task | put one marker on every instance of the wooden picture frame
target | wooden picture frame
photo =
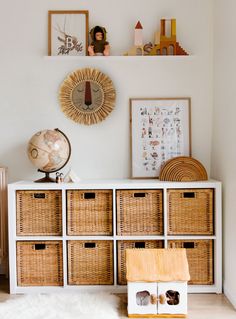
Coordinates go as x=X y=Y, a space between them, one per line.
x=68 y=33
x=160 y=129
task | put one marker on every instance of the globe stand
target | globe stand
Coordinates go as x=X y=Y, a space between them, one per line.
x=46 y=179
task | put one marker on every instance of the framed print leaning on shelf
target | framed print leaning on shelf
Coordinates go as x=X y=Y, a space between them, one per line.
x=67 y=32
x=160 y=130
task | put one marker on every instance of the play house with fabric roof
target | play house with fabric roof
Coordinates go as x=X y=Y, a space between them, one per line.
x=157 y=282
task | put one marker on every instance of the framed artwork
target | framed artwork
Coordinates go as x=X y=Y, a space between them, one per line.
x=67 y=32
x=160 y=130
x=87 y=96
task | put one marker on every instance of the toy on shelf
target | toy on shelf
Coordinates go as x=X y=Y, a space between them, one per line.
x=183 y=169
x=157 y=282
x=71 y=177
x=99 y=45
x=137 y=49
x=165 y=42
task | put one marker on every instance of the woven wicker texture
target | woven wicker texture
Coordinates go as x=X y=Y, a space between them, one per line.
x=122 y=245
x=39 y=212
x=190 y=211
x=139 y=212
x=39 y=263
x=200 y=259
x=89 y=212
x=104 y=99
x=90 y=262
x=183 y=169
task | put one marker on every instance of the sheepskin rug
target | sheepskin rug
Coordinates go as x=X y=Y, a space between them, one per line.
x=61 y=306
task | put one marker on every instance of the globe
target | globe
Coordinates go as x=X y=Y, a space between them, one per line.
x=49 y=151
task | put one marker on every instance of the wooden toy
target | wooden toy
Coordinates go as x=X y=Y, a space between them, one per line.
x=157 y=283
x=137 y=49
x=165 y=42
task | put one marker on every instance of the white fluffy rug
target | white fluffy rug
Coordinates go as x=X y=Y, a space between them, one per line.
x=61 y=306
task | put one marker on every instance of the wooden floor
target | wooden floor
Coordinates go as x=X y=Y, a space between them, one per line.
x=200 y=306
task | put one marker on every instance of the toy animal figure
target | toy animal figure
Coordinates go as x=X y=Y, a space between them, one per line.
x=147 y=48
x=99 y=45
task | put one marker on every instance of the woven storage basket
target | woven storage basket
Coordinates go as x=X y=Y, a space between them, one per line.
x=200 y=259
x=122 y=245
x=39 y=263
x=139 y=212
x=38 y=212
x=190 y=211
x=89 y=212
x=90 y=262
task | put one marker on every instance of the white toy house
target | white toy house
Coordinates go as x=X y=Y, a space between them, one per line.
x=157 y=282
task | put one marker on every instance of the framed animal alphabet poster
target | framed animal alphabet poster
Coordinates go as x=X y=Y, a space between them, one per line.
x=160 y=130
x=67 y=33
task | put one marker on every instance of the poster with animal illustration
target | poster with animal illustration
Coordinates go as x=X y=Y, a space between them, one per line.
x=160 y=130
x=67 y=33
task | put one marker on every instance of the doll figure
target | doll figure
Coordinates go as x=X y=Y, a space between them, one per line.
x=99 y=45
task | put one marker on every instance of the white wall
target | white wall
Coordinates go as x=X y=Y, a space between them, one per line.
x=224 y=133
x=29 y=82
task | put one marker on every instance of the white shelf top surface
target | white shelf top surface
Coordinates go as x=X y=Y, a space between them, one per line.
x=114 y=183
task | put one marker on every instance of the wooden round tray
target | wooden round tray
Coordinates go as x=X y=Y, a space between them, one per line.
x=183 y=169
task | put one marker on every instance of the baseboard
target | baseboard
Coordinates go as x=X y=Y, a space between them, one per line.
x=230 y=296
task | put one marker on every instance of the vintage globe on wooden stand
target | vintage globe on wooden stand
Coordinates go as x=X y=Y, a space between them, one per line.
x=49 y=151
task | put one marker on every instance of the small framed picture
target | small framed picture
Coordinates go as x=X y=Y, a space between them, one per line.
x=68 y=33
x=160 y=130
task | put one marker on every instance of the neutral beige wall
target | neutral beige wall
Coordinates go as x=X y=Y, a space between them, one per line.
x=224 y=132
x=29 y=82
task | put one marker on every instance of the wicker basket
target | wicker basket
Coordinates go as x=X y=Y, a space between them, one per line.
x=122 y=245
x=190 y=212
x=38 y=212
x=139 y=212
x=89 y=212
x=200 y=259
x=39 y=263
x=90 y=262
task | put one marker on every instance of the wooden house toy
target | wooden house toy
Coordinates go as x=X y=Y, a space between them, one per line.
x=137 y=49
x=165 y=43
x=157 y=283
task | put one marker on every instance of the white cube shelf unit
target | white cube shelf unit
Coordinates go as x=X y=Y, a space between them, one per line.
x=74 y=235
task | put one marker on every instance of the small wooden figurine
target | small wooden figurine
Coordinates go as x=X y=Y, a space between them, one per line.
x=157 y=282
x=164 y=43
x=137 y=49
x=99 y=45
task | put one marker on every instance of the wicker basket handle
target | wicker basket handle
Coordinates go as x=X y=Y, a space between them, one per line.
x=189 y=195
x=39 y=246
x=190 y=244
x=89 y=195
x=139 y=195
x=39 y=195
x=89 y=245
x=139 y=244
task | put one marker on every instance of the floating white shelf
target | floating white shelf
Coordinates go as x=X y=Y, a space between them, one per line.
x=121 y=57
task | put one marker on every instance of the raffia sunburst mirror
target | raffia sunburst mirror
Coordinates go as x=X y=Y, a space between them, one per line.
x=87 y=96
